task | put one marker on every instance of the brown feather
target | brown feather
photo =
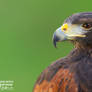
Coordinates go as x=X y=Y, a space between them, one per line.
x=55 y=85
x=62 y=80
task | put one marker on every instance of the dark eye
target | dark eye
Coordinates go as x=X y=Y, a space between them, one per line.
x=87 y=26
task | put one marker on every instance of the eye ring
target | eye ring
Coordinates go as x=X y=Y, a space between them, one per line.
x=87 y=26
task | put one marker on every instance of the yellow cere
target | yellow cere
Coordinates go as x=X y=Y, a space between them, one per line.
x=64 y=27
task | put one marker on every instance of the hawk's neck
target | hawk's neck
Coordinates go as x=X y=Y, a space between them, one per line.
x=81 y=53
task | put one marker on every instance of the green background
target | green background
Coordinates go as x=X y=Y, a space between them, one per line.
x=26 y=29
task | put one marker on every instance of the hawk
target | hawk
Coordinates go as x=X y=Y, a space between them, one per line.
x=72 y=73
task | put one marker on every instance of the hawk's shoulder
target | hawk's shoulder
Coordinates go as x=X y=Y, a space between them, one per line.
x=57 y=78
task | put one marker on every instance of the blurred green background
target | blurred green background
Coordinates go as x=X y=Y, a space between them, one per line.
x=26 y=29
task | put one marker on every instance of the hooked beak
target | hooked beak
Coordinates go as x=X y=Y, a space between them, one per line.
x=67 y=33
x=58 y=36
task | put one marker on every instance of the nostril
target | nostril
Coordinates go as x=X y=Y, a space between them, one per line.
x=64 y=29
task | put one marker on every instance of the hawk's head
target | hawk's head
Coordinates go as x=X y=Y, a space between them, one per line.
x=76 y=28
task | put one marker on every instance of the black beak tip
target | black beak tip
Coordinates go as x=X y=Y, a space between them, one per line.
x=55 y=40
x=54 y=43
